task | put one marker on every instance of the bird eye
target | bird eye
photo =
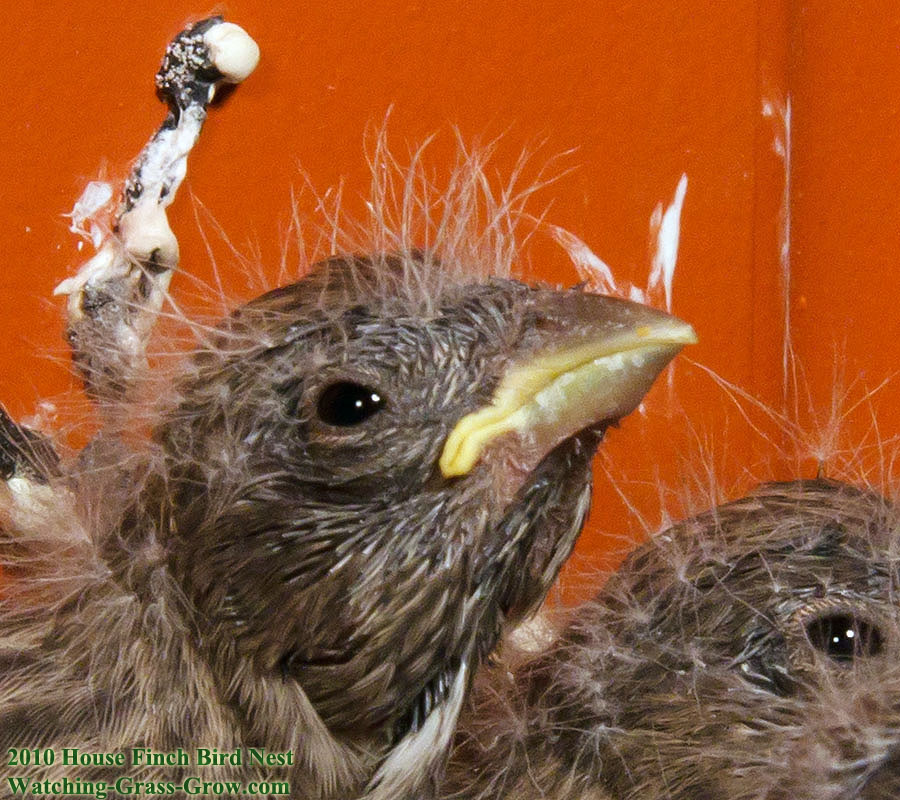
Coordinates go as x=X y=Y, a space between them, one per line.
x=345 y=403
x=843 y=637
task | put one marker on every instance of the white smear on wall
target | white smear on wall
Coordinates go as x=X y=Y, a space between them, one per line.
x=637 y=295
x=667 y=227
x=665 y=234
x=592 y=269
x=665 y=230
x=780 y=112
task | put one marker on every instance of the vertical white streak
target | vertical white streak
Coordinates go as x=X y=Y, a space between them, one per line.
x=665 y=234
x=667 y=227
x=781 y=113
x=668 y=233
x=786 y=242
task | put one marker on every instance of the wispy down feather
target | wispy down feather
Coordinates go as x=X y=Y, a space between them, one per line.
x=282 y=549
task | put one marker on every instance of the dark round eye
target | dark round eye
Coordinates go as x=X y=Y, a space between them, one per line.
x=345 y=403
x=843 y=637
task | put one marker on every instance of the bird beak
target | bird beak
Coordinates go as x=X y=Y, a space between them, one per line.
x=591 y=362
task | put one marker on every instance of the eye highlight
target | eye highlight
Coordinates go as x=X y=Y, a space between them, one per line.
x=345 y=403
x=844 y=638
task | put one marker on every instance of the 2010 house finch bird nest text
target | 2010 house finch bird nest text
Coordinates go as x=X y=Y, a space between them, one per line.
x=349 y=488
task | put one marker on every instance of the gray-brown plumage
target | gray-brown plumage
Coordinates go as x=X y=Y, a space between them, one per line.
x=283 y=563
x=337 y=504
x=750 y=653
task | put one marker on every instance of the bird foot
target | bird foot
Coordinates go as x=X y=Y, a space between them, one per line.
x=115 y=297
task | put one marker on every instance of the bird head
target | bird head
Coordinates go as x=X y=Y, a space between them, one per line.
x=749 y=652
x=368 y=472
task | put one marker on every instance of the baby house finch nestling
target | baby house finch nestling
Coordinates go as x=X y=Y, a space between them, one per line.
x=353 y=484
x=749 y=653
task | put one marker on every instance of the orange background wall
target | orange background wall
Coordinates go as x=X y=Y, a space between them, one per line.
x=639 y=92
